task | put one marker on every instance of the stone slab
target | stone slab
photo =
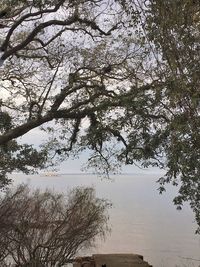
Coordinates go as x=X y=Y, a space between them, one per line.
x=119 y=260
x=111 y=260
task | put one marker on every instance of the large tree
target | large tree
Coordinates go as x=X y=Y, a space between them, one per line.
x=61 y=64
x=170 y=29
x=120 y=78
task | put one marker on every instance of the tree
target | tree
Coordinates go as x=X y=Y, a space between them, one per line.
x=171 y=32
x=48 y=228
x=120 y=78
x=181 y=57
x=61 y=64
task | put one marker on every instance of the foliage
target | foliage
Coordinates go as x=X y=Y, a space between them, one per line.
x=17 y=157
x=48 y=228
x=171 y=30
x=62 y=64
x=120 y=78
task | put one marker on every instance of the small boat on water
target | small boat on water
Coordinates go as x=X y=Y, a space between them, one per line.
x=50 y=174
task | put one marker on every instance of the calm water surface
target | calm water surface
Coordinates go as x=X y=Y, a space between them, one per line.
x=142 y=221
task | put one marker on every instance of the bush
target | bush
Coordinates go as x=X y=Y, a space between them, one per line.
x=47 y=228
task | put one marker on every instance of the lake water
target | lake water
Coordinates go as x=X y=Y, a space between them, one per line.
x=142 y=221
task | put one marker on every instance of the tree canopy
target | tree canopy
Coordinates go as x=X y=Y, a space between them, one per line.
x=120 y=78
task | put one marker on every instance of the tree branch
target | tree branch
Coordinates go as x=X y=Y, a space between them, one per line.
x=23 y=18
x=39 y=28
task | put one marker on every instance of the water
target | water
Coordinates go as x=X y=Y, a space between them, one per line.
x=142 y=221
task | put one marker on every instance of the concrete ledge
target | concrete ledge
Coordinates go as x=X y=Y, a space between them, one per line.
x=111 y=260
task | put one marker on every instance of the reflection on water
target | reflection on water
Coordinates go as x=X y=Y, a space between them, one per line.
x=142 y=221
